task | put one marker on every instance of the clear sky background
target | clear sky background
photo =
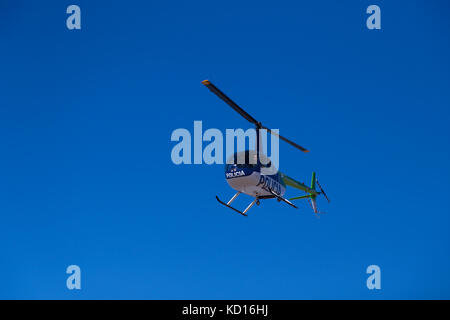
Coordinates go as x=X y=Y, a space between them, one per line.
x=86 y=176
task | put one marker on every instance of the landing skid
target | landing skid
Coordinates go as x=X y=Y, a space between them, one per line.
x=238 y=211
x=256 y=200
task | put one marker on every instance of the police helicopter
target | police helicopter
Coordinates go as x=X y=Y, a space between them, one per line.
x=251 y=172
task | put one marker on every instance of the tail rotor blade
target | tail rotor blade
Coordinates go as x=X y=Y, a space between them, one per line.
x=322 y=191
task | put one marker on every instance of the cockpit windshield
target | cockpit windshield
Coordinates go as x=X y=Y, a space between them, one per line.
x=248 y=159
x=241 y=166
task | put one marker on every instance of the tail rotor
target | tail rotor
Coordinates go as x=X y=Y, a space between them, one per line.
x=322 y=191
x=311 y=191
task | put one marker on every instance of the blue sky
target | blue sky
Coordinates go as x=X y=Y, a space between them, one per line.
x=86 y=175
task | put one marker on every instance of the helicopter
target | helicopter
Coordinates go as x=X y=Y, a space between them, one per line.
x=251 y=172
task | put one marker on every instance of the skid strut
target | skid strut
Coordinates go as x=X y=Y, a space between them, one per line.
x=228 y=204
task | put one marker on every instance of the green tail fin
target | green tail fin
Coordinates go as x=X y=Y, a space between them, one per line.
x=313 y=181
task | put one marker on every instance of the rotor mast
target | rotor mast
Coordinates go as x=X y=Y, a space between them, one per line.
x=258 y=142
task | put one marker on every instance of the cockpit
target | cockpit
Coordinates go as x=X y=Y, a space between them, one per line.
x=247 y=160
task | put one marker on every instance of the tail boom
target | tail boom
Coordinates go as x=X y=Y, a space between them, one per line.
x=298 y=185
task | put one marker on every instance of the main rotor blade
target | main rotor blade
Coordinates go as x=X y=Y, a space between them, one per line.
x=230 y=102
x=249 y=118
x=286 y=140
